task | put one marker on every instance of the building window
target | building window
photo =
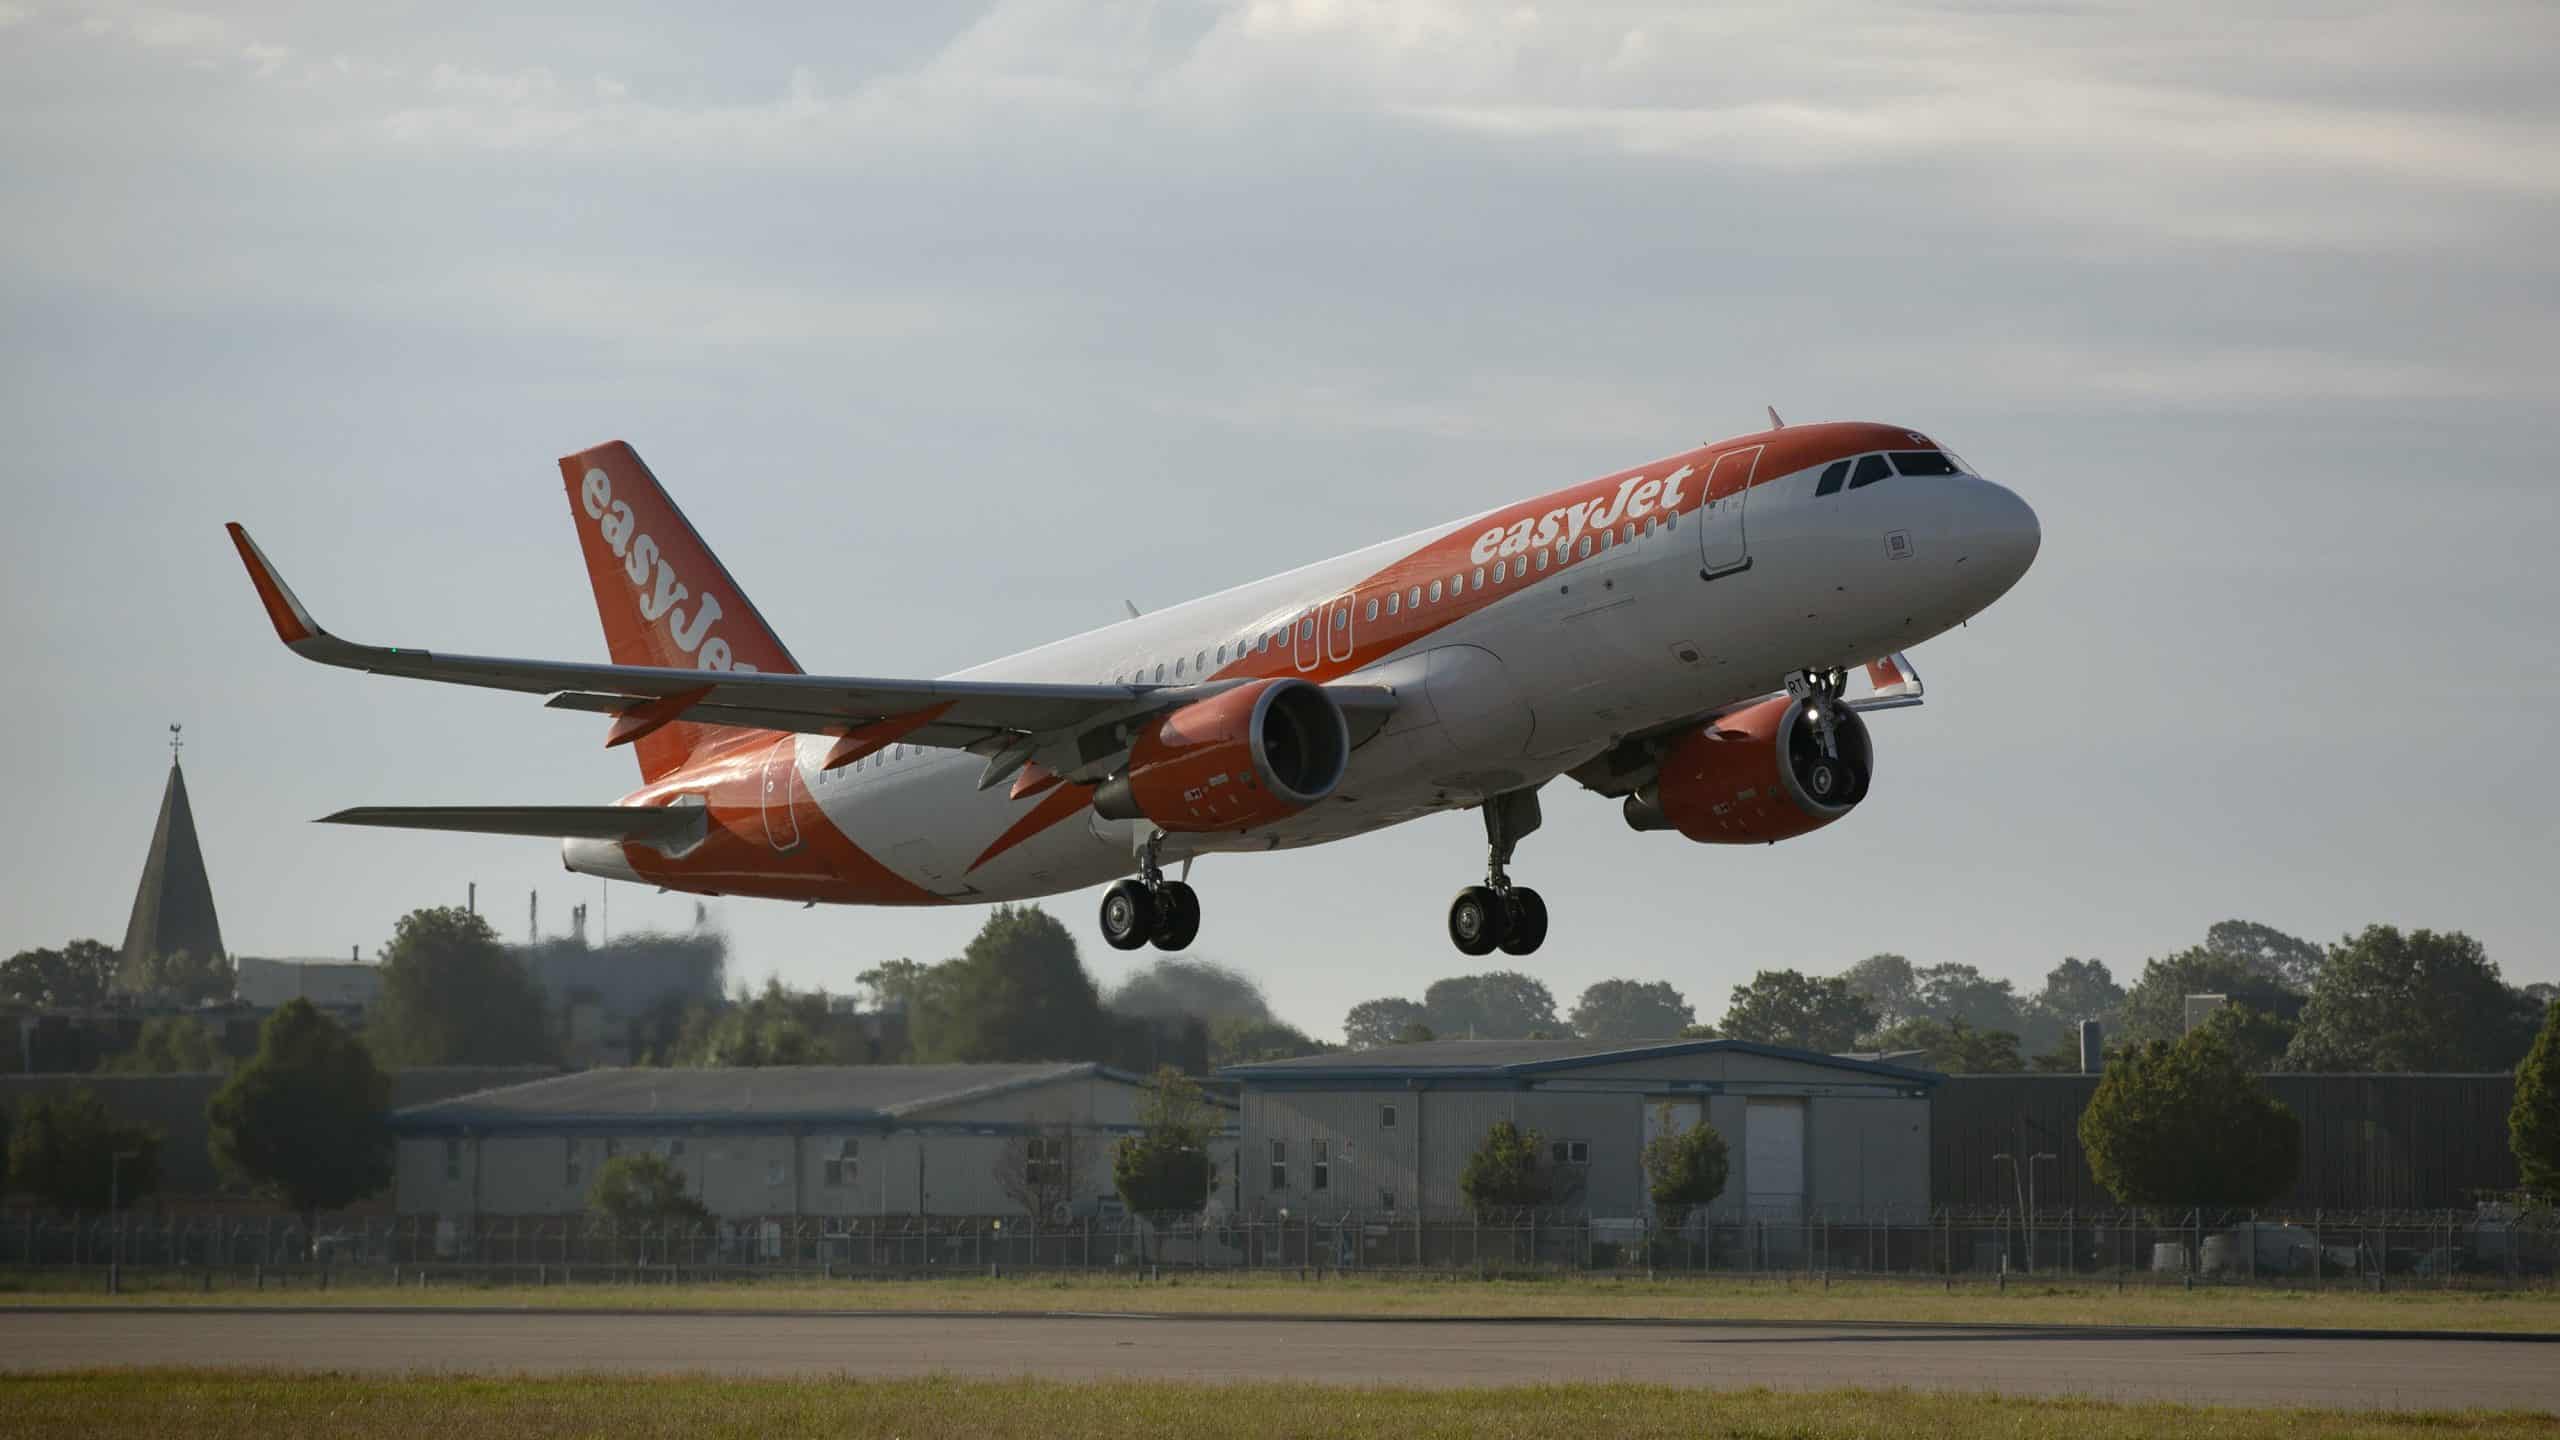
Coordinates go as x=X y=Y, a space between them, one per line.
x=1387 y=1200
x=1386 y=1117
x=1319 y=1165
x=1573 y=1152
x=1279 y=1164
x=1044 y=1160
x=843 y=1166
x=776 y=1172
x=453 y=1159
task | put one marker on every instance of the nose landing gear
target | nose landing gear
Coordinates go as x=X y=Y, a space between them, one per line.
x=1499 y=914
x=1148 y=907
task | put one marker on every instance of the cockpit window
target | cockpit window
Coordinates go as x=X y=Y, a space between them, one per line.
x=1832 y=477
x=1922 y=462
x=1870 y=470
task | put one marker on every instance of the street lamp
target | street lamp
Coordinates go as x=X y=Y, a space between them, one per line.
x=2031 y=1205
x=2019 y=1187
x=115 y=1216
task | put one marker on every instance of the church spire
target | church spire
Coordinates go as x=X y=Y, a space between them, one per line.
x=173 y=907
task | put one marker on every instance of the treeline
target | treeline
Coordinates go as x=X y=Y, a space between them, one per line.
x=2379 y=1000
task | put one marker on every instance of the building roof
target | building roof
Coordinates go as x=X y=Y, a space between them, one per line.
x=173 y=906
x=1502 y=1059
x=734 y=1098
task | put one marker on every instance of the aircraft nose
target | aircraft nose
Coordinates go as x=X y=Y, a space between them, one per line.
x=1997 y=532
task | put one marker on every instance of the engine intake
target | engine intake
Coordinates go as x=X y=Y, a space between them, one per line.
x=1757 y=776
x=1244 y=757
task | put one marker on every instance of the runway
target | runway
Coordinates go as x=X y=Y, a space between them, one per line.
x=2239 y=1367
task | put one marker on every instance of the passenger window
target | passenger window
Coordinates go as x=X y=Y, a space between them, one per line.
x=1628 y=535
x=1564 y=551
x=1586 y=547
x=1413 y=600
x=1177 y=667
x=1648 y=525
x=1435 y=592
x=1307 y=628
x=1342 y=617
x=1222 y=653
x=1395 y=602
x=1922 y=462
x=1372 y=612
x=1159 y=672
x=1200 y=661
x=1870 y=470
x=1479 y=577
x=1498 y=568
x=1542 y=562
x=1833 y=478
x=1670 y=519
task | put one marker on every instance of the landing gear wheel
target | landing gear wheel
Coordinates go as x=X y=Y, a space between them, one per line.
x=1177 y=916
x=1476 y=920
x=1524 y=921
x=1128 y=915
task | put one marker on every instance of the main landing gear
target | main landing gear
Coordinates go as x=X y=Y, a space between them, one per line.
x=1497 y=913
x=1148 y=907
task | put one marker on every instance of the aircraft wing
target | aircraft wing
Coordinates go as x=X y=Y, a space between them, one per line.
x=1007 y=721
x=671 y=828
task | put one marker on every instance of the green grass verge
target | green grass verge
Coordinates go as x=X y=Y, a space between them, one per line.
x=115 y=1403
x=2515 y=1311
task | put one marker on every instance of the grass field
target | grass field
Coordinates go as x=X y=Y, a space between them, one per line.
x=2513 y=1311
x=121 y=1403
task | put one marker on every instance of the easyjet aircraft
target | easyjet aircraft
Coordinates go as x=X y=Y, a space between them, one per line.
x=1677 y=637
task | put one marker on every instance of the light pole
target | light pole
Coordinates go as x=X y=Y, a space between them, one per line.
x=2031 y=1206
x=115 y=1217
x=2016 y=1184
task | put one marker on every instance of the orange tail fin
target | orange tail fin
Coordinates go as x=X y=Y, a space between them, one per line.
x=666 y=600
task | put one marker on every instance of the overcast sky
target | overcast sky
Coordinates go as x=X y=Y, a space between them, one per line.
x=951 y=327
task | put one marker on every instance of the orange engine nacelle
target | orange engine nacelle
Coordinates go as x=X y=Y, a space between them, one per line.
x=1757 y=775
x=1244 y=757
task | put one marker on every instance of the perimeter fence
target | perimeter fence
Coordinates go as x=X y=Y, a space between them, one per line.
x=2495 y=1246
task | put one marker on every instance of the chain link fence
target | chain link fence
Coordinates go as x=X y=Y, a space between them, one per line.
x=2493 y=1246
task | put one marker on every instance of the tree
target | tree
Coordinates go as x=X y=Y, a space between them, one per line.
x=306 y=1121
x=2533 y=1121
x=1954 y=1047
x=75 y=977
x=2257 y=1039
x=1631 y=1010
x=777 y=1027
x=2078 y=990
x=62 y=1150
x=2415 y=1002
x=170 y=1045
x=1497 y=1005
x=183 y=977
x=1237 y=1041
x=1180 y=985
x=2156 y=1007
x=1507 y=1172
x=1165 y=1168
x=1957 y=991
x=2186 y=1124
x=1019 y=992
x=1887 y=983
x=452 y=995
x=1787 y=1007
x=1373 y=1023
x=1040 y=1166
x=643 y=1190
x=900 y=984
x=1684 y=1169
x=2285 y=959
x=1416 y=1033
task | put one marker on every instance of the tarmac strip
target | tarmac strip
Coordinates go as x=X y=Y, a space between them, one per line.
x=2207 y=1367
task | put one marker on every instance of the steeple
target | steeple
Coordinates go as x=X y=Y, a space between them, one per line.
x=173 y=908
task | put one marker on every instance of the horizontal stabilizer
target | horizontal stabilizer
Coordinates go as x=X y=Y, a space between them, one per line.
x=669 y=828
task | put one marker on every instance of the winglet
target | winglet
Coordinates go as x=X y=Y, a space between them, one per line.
x=294 y=625
x=1894 y=678
x=1774 y=422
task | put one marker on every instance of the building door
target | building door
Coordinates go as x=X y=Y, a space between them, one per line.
x=1773 y=1158
x=1722 y=546
x=781 y=820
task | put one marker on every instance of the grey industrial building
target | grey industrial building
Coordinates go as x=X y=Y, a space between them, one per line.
x=783 y=1142
x=1389 y=1130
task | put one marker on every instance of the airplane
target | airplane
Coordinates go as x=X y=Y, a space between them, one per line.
x=1677 y=637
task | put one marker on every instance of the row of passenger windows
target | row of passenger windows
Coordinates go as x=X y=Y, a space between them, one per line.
x=1396 y=602
x=1868 y=469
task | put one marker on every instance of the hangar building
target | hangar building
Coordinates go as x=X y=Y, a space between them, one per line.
x=1391 y=1129
x=783 y=1141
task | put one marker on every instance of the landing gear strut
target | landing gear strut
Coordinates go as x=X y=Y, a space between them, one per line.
x=1831 y=776
x=1499 y=914
x=1148 y=907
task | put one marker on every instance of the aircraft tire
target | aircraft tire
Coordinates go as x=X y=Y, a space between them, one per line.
x=1476 y=921
x=1524 y=925
x=1177 y=916
x=1128 y=915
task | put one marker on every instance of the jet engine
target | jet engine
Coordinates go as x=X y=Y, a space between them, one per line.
x=1243 y=757
x=1759 y=775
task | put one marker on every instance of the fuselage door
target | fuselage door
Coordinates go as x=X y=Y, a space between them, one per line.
x=1337 y=629
x=1723 y=545
x=781 y=819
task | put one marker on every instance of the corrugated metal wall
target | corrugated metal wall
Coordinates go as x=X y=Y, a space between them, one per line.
x=2369 y=1142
